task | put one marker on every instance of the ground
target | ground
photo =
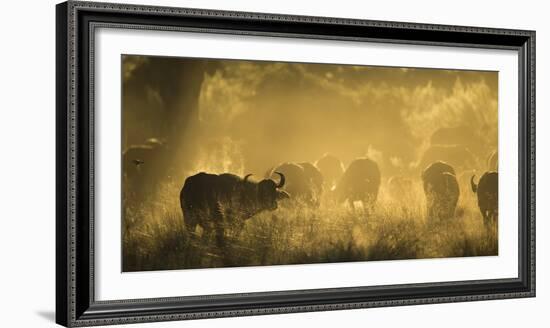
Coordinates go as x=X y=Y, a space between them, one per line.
x=154 y=236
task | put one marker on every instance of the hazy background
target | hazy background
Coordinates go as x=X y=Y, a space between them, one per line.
x=246 y=116
x=182 y=116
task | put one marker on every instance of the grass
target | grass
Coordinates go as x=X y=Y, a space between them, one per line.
x=154 y=237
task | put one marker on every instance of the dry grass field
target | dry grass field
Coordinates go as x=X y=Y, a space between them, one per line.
x=154 y=236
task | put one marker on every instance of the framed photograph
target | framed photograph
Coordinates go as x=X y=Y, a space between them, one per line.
x=215 y=164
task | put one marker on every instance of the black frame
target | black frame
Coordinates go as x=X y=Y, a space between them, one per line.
x=75 y=303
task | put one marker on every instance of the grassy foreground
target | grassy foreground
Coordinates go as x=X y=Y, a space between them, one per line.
x=154 y=236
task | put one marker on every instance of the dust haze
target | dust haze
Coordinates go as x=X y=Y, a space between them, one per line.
x=183 y=116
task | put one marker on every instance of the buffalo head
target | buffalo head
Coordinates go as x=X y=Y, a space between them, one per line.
x=269 y=193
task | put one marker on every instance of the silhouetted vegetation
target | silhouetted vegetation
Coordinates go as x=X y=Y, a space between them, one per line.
x=155 y=238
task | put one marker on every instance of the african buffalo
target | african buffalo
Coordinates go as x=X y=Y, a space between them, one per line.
x=216 y=202
x=360 y=182
x=487 y=196
x=304 y=182
x=441 y=189
x=331 y=168
x=315 y=179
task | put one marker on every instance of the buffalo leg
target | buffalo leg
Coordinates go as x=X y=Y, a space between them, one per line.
x=190 y=227
x=492 y=221
x=431 y=213
x=220 y=238
x=486 y=218
x=368 y=206
x=219 y=227
x=190 y=222
x=488 y=222
x=495 y=222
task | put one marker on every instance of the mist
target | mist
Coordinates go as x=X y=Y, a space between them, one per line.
x=247 y=116
x=183 y=116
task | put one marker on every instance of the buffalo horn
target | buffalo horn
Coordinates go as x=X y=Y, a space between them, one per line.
x=473 y=184
x=282 y=181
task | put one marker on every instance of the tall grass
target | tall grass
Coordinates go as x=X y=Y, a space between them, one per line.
x=154 y=236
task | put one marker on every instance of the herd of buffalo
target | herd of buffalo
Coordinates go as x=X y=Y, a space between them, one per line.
x=216 y=201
